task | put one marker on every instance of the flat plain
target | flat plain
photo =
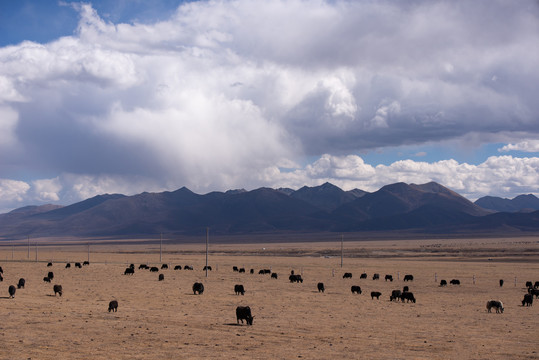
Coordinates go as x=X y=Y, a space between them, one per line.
x=165 y=320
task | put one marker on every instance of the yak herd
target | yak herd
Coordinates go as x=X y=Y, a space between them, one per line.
x=244 y=312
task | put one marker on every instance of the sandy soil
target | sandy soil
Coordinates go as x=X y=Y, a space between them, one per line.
x=292 y=321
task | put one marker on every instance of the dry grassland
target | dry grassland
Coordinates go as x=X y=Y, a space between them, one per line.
x=164 y=320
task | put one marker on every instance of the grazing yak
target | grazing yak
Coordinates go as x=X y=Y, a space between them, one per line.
x=11 y=291
x=501 y=282
x=241 y=270
x=164 y=266
x=129 y=271
x=252 y=271
x=206 y=268
x=408 y=296
x=235 y=268
x=1 y=278
x=529 y=284
x=536 y=285
x=49 y=264
x=1 y=270
x=188 y=267
x=389 y=277
x=405 y=288
x=533 y=292
x=376 y=276
x=528 y=300
x=177 y=267
x=375 y=294
x=161 y=277
x=198 y=288
x=143 y=266
x=295 y=278
x=50 y=275
x=47 y=279
x=274 y=275
x=347 y=276
x=496 y=304
x=85 y=263
x=57 y=289
x=239 y=289
x=21 y=283
x=78 y=265
x=244 y=313
x=395 y=295
x=132 y=266
x=455 y=282
x=443 y=283
x=68 y=265
x=363 y=276
x=113 y=306
x=154 y=269
x=356 y=289
x=321 y=287
x=408 y=277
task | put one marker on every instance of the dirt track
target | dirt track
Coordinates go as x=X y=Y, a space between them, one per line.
x=165 y=320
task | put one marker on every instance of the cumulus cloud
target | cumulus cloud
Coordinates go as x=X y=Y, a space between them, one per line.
x=225 y=94
x=526 y=146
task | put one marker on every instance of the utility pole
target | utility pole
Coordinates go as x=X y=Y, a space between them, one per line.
x=342 y=249
x=207 y=240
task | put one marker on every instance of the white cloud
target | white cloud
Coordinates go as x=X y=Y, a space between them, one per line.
x=526 y=146
x=222 y=94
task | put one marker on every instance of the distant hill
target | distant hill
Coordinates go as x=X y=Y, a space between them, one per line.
x=427 y=208
x=527 y=203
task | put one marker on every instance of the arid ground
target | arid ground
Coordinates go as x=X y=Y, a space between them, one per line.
x=164 y=320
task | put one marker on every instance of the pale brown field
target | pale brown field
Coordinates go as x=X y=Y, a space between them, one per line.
x=164 y=320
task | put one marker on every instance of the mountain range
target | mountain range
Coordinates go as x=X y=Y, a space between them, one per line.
x=427 y=209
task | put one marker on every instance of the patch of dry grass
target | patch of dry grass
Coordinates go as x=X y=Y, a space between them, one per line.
x=163 y=319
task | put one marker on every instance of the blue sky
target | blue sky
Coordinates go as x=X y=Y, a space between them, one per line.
x=131 y=96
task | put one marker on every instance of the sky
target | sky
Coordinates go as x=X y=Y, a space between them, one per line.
x=130 y=96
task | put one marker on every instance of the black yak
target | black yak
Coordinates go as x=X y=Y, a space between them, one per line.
x=164 y=266
x=389 y=277
x=154 y=269
x=113 y=306
x=68 y=265
x=57 y=289
x=363 y=276
x=408 y=277
x=274 y=275
x=12 y=291
x=238 y=289
x=47 y=279
x=375 y=294
x=376 y=276
x=443 y=282
x=528 y=300
x=129 y=271
x=356 y=289
x=244 y=313
x=161 y=277
x=395 y=295
x=347 y=275
x=408 y=296
x=496 y=304
x=198 y=288
x=50 y=275
x=21 y=283
x=177 y=267
x=321 y=287
x=455 y=282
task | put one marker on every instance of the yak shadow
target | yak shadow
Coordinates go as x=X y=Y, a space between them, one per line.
x=5 y=297
x=233 y=324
